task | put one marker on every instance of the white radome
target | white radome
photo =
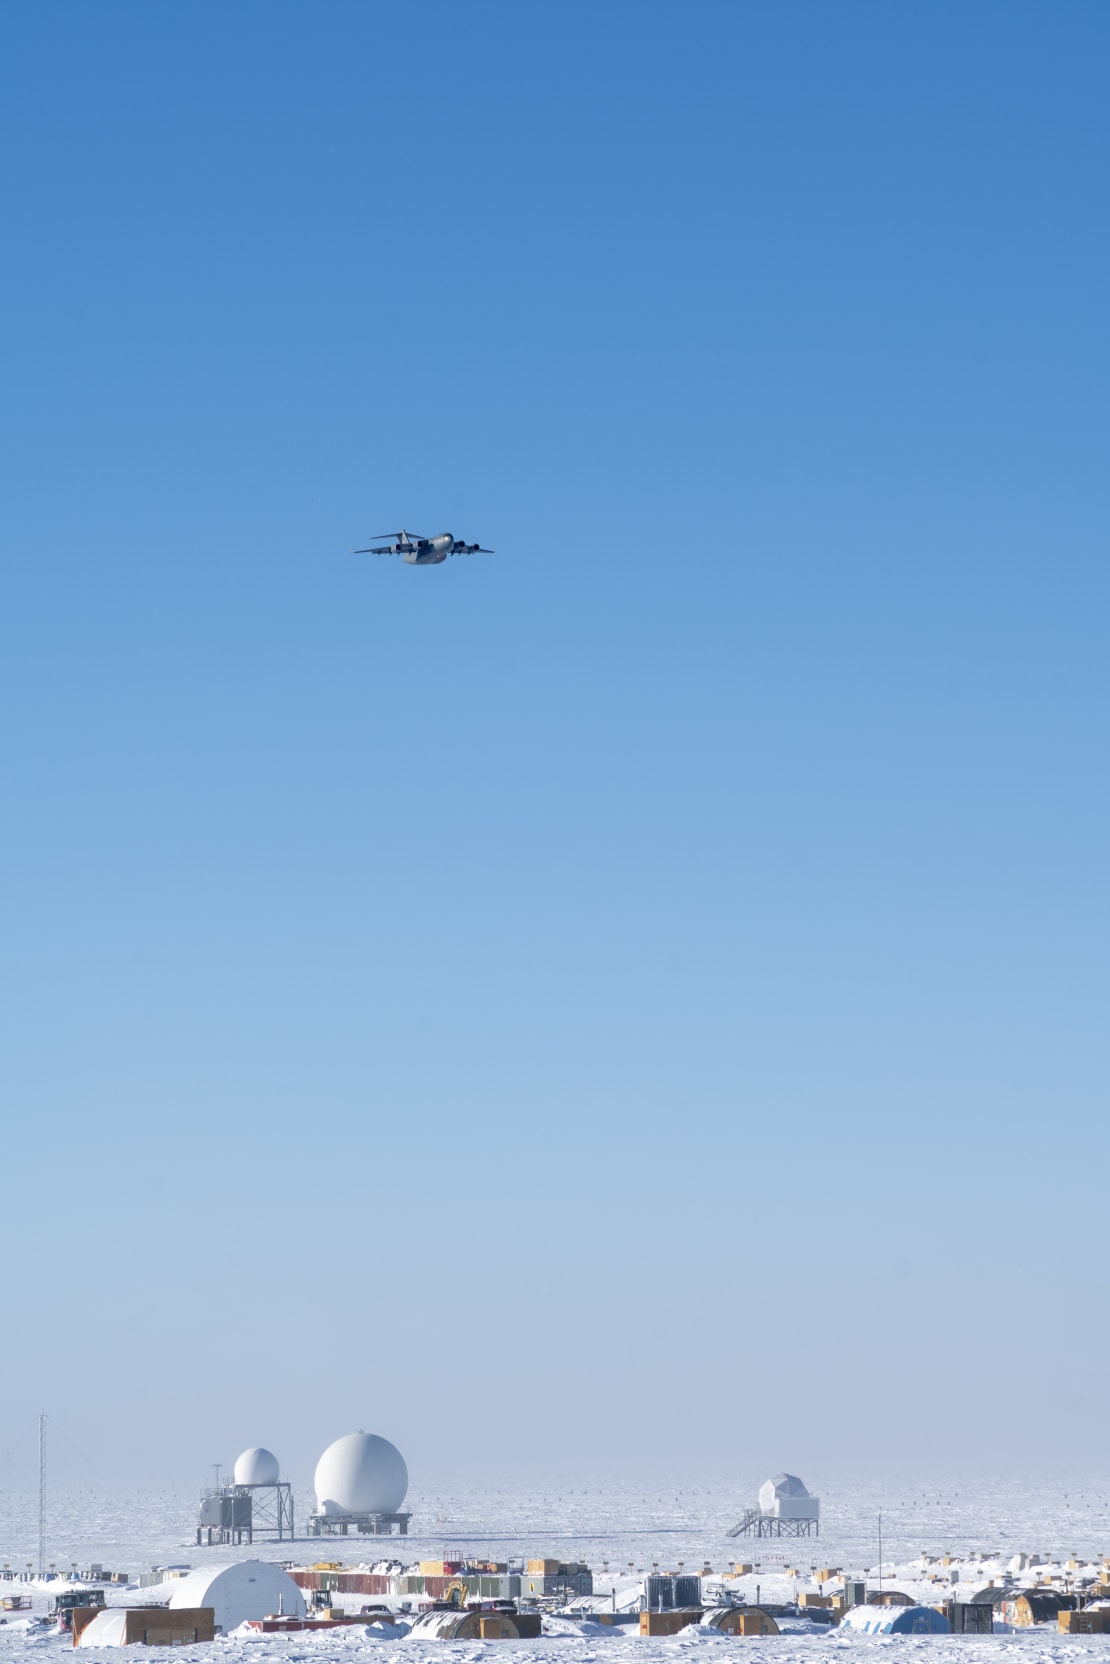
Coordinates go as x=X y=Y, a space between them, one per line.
x=257 y=1467
x=361 y=1474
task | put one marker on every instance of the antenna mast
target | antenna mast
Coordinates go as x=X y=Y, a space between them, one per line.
x=42 y=1493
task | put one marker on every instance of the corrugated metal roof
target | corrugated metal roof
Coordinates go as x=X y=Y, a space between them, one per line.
x=895 y=1620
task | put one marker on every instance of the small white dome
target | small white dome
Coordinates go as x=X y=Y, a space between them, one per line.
x=361 y=1474
x=257 y=1467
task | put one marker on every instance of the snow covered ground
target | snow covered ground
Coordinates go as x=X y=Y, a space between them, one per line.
x=356 y=1647
x=622 y=1531
x=602 y=1522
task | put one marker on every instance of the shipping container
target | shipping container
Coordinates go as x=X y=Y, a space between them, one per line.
x=669 y=1623
x=740 y=1620
x=1095 y=1620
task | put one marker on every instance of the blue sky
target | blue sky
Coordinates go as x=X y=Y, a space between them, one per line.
x=688 y=922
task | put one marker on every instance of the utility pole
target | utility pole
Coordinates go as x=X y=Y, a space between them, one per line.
x=880 y=1557
x=42 y=1493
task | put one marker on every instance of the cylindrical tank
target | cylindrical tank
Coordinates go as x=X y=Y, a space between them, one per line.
x=361 y=1474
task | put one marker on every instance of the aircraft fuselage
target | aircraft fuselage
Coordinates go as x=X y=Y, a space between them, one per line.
x=432 y=552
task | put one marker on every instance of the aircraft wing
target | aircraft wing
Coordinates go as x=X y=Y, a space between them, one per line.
x=471 y=549
x=390 y=549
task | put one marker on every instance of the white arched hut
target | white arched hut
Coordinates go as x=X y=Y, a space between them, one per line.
x=247 y=1590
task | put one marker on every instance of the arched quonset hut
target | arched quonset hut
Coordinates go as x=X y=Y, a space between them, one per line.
x=451 y=1624
x=895 y=1620
x=740 y=1620
x=1037 y=1606
x=248 y=1589
x=786 y=1498
x=448 y=1624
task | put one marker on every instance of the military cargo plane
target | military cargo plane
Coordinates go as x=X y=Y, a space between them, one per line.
x=422 y=551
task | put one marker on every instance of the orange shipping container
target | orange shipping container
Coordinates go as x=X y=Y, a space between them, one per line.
x=669 y=1623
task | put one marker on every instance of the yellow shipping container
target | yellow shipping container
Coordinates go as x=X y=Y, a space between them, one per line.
x=669 y=1623
x=432 y=1568
x=757 y=1623
x=741 y=1620
x=1091 y=1622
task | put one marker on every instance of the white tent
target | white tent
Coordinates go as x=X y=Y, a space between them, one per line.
x=106 y=1629
x=247 y=1589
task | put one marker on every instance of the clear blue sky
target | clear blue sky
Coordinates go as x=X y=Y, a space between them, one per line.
x=688 y=924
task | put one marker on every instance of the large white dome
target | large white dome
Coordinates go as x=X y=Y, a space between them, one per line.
x=237 y=1593
x=361 y=1474
x=257 y=1467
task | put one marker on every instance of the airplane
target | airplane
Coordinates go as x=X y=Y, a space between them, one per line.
x=423 y=551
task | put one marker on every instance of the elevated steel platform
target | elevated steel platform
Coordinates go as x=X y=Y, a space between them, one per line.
x=230 y=1513
x=367 y=1525
x=756 y=1523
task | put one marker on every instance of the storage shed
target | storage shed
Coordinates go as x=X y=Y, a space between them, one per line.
x=786 y=1498
x=146 y=1626
x=895 y=1620
x=670 y=1622
x=1092 y=1620
x=237 y=1593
